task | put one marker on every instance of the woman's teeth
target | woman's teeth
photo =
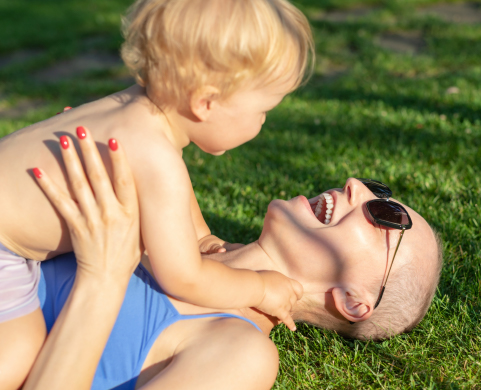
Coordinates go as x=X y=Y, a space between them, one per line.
x=325 y=199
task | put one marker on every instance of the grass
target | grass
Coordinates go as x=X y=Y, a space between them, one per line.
x=384 y=115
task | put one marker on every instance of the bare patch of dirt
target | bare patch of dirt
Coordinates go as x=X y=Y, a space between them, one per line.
x=344 y=15
x=469 y=12
x=70 y=68
x=18 y=57
x=406 y=42
x=19 y=109
x=329 y=71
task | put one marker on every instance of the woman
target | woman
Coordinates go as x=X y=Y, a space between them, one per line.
x=158 y=342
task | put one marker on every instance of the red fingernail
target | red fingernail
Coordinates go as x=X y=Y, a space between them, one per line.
x=81 y=133
x=37 y=173
x=58 y=113
x=113 y=145
x=67 y=108
x=64 y=142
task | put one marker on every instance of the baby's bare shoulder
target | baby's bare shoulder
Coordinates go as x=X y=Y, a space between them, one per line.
x=158 y=168
x=149 y=149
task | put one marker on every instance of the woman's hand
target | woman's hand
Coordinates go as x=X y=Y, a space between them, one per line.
x=103 y=221
x=104 y=227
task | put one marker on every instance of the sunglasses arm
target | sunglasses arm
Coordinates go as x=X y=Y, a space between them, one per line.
x=392 y=262
x=384 y=286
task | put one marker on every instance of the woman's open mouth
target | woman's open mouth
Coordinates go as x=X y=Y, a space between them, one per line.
x=325 y=208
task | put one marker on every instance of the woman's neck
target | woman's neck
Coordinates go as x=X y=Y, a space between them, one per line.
x=250 y=256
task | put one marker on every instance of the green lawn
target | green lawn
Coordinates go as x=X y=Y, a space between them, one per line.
x=368 y=111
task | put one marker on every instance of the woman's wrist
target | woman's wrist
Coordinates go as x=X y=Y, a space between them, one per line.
x=101 y=282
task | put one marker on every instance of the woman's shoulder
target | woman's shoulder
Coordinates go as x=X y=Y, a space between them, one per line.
x=220 y=351
x=237 y=343
x=241 y=347
x=241 y=341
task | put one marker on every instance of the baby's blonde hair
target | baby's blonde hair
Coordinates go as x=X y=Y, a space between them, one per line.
x=177 y=46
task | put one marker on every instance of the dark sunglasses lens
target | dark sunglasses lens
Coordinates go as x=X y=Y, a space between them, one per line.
x=389 y=212
x=379 y=189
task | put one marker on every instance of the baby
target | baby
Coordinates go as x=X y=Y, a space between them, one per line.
x=207 y=72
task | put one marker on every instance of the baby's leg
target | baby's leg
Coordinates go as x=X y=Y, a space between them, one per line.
x=22 y=326
x=21 y=340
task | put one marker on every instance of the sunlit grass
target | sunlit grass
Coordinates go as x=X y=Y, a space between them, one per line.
x=367 y=112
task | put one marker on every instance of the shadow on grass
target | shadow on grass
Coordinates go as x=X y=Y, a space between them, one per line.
x=230 y=230
x=317 y=89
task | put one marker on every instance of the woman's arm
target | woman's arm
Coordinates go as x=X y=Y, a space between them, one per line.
x=104 y=227
x=74 y=347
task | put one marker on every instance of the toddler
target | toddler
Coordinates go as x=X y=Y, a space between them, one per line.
x=207 y=72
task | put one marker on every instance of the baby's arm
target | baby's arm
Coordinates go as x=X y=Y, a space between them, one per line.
x=170 y=238
x=201 y=228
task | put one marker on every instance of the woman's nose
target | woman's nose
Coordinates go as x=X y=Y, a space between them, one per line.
x=356 y=190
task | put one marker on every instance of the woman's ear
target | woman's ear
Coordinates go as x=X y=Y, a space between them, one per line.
x=201 y=101
x=353 y=307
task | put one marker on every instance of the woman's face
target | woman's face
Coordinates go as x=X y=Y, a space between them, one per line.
x=350 y=248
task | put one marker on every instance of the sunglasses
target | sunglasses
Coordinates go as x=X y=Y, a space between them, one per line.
x=386 y=213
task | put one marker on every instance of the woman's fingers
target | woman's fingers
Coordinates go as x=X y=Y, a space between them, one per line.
x=59 y=198
x=95 y=168
x=123 y=179
x=76 y=177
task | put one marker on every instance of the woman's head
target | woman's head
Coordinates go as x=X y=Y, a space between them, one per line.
x=342 y=264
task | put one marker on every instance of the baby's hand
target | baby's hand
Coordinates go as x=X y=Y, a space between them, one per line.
x=280 y=295
x=212 y=244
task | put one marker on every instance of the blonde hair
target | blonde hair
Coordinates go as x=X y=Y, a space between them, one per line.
x=403 y=307
x=177 y=46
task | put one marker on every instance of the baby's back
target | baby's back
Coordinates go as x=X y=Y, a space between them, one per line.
x=29 y=225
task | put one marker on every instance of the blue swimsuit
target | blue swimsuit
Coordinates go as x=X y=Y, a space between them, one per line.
x=145 y=313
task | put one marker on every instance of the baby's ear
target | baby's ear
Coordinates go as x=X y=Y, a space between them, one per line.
x=201 y=101
x=353 y=307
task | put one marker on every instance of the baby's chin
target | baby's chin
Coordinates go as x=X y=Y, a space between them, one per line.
x=218 y=153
